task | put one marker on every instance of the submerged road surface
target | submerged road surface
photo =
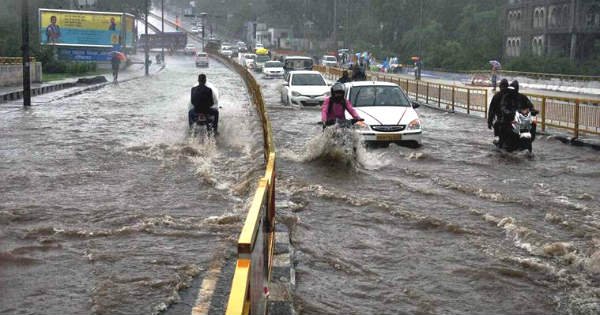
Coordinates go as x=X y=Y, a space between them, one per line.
x=453 y=227
x=107 y=206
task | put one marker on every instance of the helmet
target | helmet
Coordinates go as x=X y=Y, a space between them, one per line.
x=338 y=87
x=515 y=85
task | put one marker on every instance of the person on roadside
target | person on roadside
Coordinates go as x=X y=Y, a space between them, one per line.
x=494 y=113
x=335 y=107
x=494 y=78
x=358 y=72
x=345 y=77
x=115 y=61
x=204 y=101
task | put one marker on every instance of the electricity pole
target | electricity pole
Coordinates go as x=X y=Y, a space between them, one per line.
x=162 y=9
x=334 y=24
x=146 y=48
x=25 y=48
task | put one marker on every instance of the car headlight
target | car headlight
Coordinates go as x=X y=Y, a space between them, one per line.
x=294 y=93
x=326 y=93
x=414 y=125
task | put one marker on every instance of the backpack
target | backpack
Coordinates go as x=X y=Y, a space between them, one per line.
x=508 y=106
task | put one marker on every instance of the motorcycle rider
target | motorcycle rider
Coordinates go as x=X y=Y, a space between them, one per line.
x=512 y=101
x=336 y=105
x=204 y=101
x=494 y=113
x=345 y=77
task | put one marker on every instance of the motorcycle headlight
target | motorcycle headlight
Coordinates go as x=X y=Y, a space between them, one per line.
x=294 y=93
x=414 y=125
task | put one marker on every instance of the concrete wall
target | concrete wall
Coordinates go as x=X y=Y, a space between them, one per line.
x=13 y=74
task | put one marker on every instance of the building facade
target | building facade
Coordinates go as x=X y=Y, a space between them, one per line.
x=552 y=27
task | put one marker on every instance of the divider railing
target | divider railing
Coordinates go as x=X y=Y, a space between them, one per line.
x=579 y=116
x=14 y=60
x=257 y=238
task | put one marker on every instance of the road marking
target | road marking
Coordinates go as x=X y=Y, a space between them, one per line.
x=207 y=289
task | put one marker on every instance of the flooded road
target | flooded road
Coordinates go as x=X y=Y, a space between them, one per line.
x=453 y=227
x=107 y=206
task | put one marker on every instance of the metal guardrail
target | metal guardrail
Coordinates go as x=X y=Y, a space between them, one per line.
x=14 y=60
x=538 y=75
x=257 y=238
x=580 y=116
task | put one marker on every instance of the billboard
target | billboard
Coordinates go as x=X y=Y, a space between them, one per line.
x=80 y=28
x=130 y=31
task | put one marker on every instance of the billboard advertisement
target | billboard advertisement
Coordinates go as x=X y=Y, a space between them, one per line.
x=80 y=28
x=130 y=32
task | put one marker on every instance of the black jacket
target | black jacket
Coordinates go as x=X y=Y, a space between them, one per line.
x=202 y=98
x=494 y=112
x=344 y=79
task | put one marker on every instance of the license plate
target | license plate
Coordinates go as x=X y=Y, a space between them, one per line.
x=392 y=137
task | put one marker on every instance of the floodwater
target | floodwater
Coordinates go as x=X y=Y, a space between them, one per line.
x=453 y=227
x=107 y=206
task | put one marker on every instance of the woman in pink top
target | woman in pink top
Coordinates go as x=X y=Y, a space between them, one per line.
x=335 y=106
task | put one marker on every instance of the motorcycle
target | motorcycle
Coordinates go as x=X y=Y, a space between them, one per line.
x=340 y=133
x=520 y=133
x=204 y=125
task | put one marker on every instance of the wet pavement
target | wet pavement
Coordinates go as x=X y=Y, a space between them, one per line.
x=453 y=227
x=109 y=207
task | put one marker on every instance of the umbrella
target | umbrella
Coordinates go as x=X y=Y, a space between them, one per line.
x=261 y=51
x=495 y=64
x=414 y=58
x=121 y=56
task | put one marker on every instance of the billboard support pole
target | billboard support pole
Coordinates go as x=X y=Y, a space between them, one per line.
x=25 y=48
x=146 y=48
x=162 y=15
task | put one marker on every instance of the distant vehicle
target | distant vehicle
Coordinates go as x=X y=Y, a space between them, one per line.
x=306 y=88
x=189 y=49
x=258 y=45
x=212 y=45
x=249 y=60
x=195 y=29
x=260 y=62
x=291 y=63
x=226 y=52
x=201 y=59
x=388 y=112
x=273 y=69
x=329 y=61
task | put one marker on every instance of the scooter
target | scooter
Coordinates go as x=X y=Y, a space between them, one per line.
x=340 y=131
x=520 y=134
x=204 y=125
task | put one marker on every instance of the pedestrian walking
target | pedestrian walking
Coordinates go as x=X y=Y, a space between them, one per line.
x=116 y=63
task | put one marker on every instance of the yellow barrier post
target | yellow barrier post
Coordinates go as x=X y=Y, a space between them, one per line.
x=427 y=93
x=468 y=101
x=417 y=93
x=576 y=120
x=453 y=96
x=543 y=114
x=439 y=95
x=485 y=105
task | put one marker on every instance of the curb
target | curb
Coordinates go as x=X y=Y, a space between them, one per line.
x=17 y=95
x=283 y=275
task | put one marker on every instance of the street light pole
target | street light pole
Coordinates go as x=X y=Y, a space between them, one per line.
x=25 y=48
x=146 y=48
x=334 y=24
x=162 y=10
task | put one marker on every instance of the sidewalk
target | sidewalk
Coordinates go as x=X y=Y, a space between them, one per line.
x=13 y=93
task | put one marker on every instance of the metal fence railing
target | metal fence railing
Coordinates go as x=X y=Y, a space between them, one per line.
x=579 y=116
x=257 y=238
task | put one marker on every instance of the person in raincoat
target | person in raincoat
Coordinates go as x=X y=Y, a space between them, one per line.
x=115 y=61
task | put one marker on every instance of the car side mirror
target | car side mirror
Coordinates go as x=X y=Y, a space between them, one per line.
x=285 y=84
x=415 y=104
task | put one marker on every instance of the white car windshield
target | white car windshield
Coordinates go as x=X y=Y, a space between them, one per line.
x=262 y=58
x=308 y=79
x=378 y=96
x=330 y=59
x=273 y=64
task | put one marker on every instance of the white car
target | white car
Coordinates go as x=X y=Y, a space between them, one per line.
x=189 y=49
x=329 y=61
x=201 y=59
x=195 y=29
x=273 y=69
x=226 y=52
x=249 y=61
x=306 y=88
x=389 y=114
